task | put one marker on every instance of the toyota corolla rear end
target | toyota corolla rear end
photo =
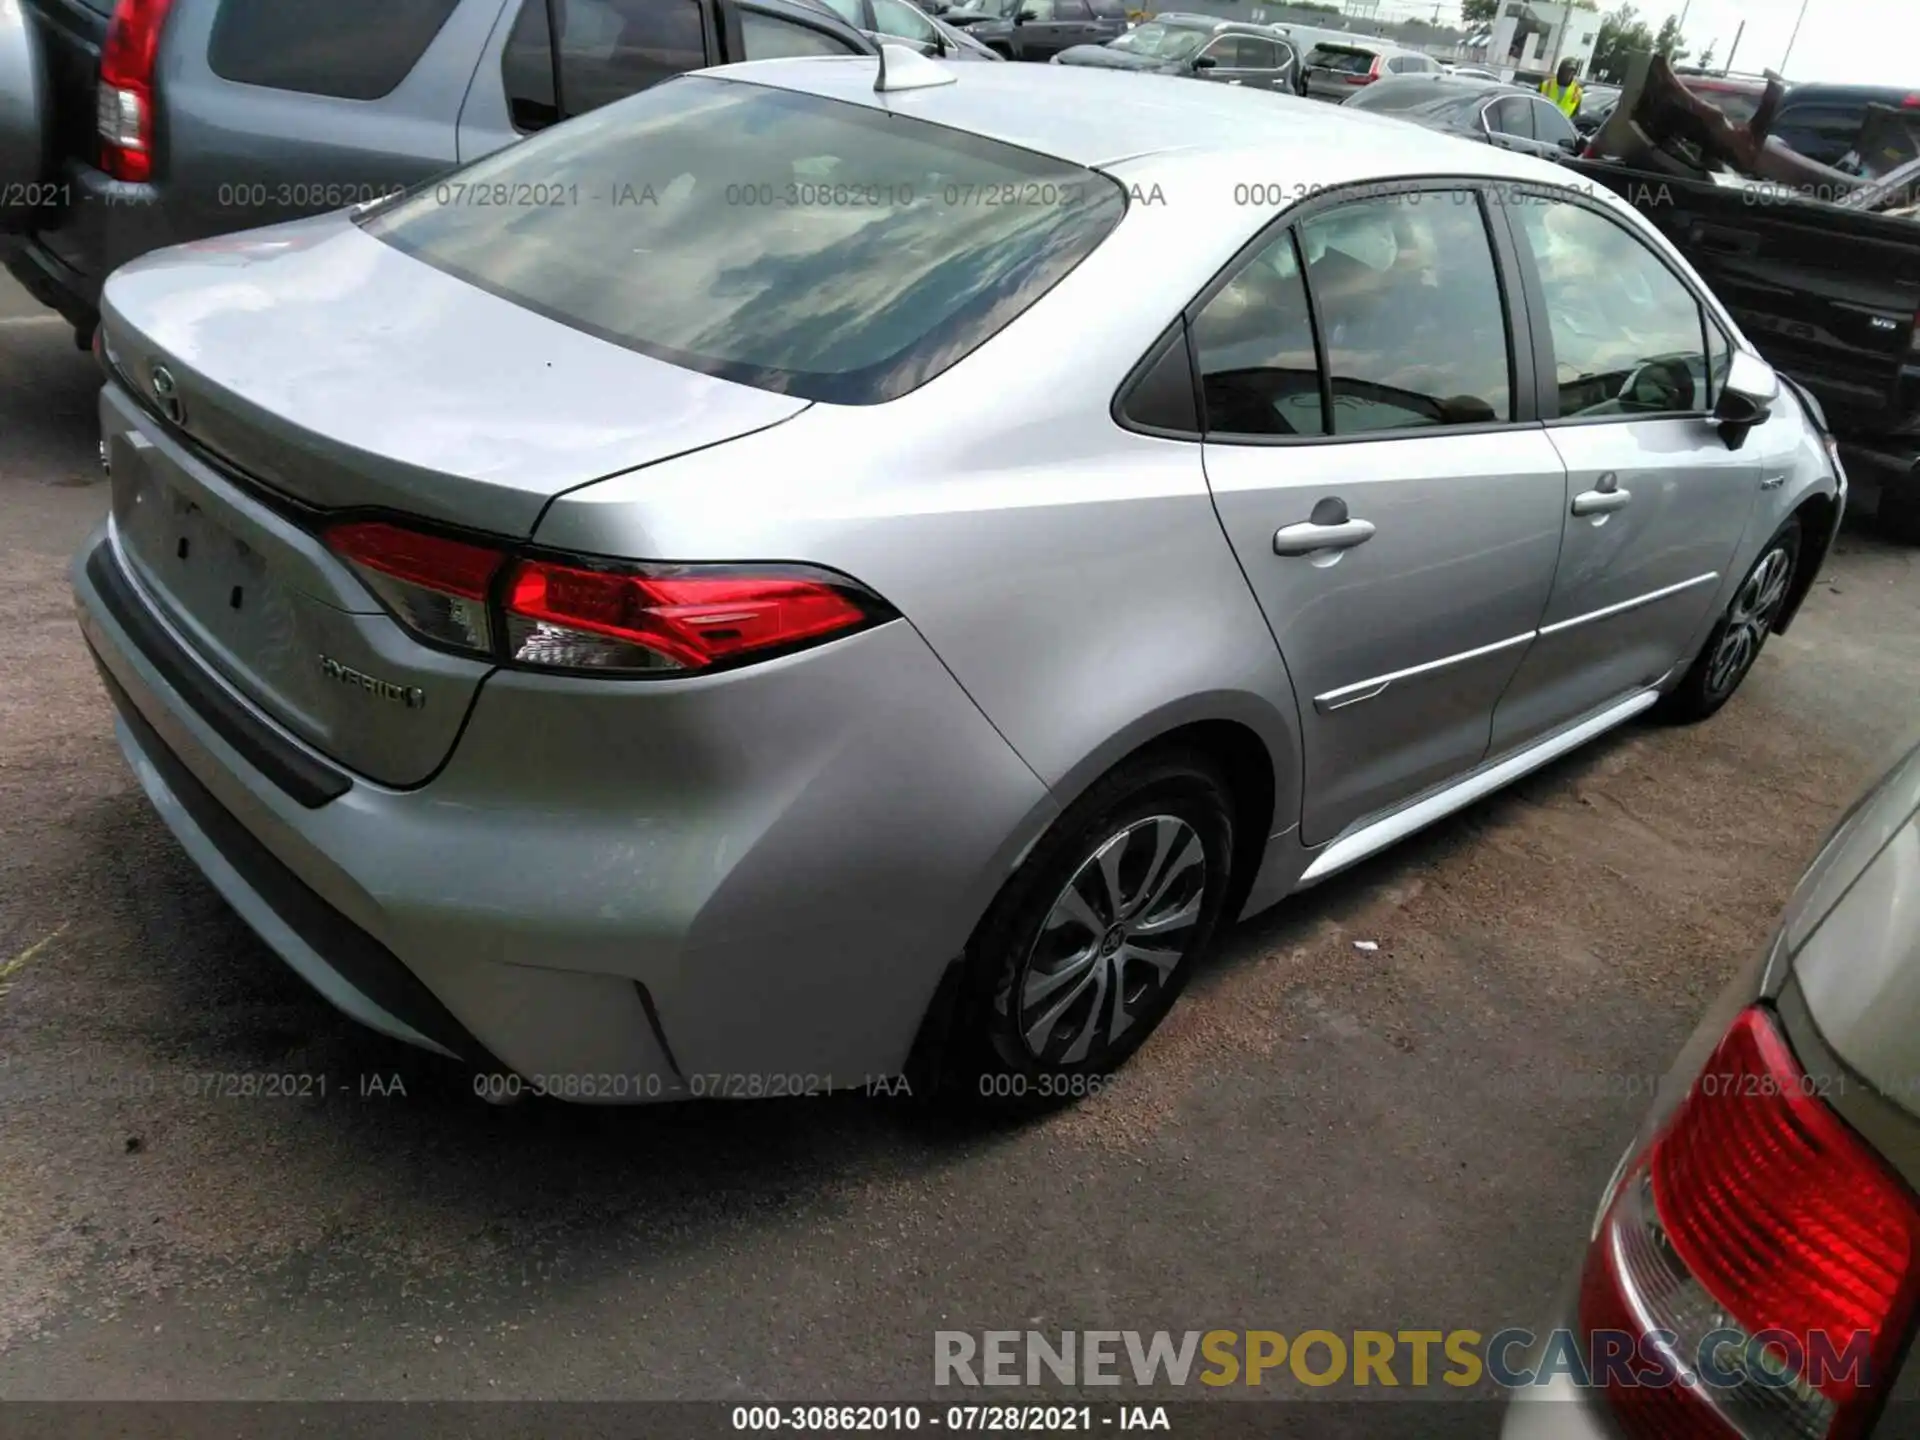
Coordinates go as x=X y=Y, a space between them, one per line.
x=1753 y=1271
x=632 y=826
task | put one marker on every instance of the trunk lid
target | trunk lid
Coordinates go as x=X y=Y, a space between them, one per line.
x=340 y=373
x=309 y=369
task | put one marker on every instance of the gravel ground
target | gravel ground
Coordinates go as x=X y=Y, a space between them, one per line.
x=1320 y=1135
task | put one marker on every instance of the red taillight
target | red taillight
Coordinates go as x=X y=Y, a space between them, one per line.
x=1759 y=1222
x=436 y=587
x=125 y=105
x=577 y=614
x=668 y=618
x=1373 y=74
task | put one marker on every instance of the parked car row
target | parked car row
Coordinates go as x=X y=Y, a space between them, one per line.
x=1232 y=52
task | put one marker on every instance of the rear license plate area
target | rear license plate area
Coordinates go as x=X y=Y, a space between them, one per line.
x=207 y=578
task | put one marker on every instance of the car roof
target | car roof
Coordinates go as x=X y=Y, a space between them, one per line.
x=1094 y=117
x=1900 y=97
x=1366 y=45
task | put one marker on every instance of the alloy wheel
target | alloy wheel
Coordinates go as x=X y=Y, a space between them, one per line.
x=1749 y=619
x=1112 y=940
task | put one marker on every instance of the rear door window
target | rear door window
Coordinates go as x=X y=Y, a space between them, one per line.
x=609 y=49
x=350 y=49
x=895 y=18
x=1512 y=116
x=778 y=239
x=1411 y=314
x=1254 y=346
x=1345 y=61
x=774 y=37
x=1253 y=53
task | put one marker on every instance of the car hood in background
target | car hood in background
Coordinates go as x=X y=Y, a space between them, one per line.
x=1105 y=57
x=1852 y=931
x=335 y=369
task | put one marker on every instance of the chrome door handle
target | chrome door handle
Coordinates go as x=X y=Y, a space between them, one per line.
x=1601 y=502
x=1307 y=537
x=1773 y=482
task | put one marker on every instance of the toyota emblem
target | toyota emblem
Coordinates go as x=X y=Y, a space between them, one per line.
x=167 y=395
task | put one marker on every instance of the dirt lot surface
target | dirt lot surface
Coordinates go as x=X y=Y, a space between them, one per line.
x=1321 y=1135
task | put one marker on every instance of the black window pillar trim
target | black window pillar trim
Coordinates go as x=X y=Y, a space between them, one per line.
x=553 y=56
x=1536 y=396
x=1320 y=360
x=1546 y=389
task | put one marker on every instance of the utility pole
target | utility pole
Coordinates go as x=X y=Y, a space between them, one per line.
x=1794 y=38
x=1727 y=68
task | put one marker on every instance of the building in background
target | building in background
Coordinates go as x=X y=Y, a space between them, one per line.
x=1530 y=36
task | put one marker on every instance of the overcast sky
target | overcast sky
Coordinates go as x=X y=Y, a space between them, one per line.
x=1867 y=42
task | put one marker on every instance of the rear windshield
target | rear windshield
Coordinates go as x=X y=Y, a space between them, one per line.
x=1162 y=42
x=785 y=241
x=1342 y=58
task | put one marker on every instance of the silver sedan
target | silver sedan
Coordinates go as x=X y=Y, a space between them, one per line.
x=806 y=576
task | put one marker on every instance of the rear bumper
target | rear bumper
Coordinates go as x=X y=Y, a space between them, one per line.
x=759 y=897
x=55 y=285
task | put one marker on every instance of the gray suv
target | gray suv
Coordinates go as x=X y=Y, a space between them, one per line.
x=130 y=126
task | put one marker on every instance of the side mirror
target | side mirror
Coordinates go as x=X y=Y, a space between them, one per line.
x=1570 y=144
x=1747 y=399
x=1022 y=17
x=1204 y=62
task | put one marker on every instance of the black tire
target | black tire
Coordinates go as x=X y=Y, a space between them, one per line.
x=1739 y=635
x=993 y=1063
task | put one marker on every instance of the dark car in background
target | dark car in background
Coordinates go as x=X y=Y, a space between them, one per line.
x=1823 y=122
x=1041 y=29
x=1332 y=70
x=1229 y=51
x=132 y=125
x=1596 y=105
x=1495 y=114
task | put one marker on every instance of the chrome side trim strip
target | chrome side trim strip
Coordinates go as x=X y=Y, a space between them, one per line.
x=1633 y=604
x=1372 y=838
x=1367 y=689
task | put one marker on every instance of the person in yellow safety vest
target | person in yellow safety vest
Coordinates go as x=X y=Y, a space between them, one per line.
x=1565 y=91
